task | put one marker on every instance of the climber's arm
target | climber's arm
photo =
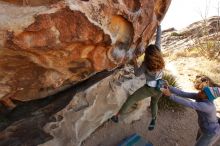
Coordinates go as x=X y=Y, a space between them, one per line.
x=158 y=37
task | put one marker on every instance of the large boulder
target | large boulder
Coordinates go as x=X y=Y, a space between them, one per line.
x=47 y=46
x=92 y=107
x=64 y=120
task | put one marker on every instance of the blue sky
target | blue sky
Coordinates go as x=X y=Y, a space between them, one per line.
x=181 y=13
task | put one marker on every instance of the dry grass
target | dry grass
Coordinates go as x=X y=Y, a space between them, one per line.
x=208 y=48
x=141 y=58
x=189 y=52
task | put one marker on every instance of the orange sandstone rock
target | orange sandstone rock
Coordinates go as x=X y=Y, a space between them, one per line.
x=45 y=48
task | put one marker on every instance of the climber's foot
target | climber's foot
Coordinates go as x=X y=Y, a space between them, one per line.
x=152 y=124
x=115 y=119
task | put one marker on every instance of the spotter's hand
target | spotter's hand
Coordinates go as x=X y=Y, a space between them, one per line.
x=165 y=91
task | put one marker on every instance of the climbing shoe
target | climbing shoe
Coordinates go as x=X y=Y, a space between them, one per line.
x=152 y=124
x=115 y=119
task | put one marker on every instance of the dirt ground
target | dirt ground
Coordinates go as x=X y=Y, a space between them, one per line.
x=174 y=128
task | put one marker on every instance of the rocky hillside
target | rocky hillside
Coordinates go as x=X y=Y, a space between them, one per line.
x=196 y=34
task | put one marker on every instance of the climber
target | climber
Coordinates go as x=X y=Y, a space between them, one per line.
x=152 y=67
x=205 y=108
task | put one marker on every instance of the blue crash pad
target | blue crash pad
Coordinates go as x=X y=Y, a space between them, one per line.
x=135 y=140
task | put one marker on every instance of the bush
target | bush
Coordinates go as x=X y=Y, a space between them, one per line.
x=207 y=41
x=165 y=103
x=175 y=34
x=208 y=48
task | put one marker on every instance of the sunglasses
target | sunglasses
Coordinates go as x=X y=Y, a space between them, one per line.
x=203 y=80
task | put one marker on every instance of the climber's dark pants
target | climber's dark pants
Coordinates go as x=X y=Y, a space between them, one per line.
x=141 y=93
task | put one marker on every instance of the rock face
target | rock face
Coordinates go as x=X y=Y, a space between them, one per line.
x=69 y=120
x=90 y=108
x=47 y=46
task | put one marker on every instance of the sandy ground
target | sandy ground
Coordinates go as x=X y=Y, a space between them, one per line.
x=174 y=128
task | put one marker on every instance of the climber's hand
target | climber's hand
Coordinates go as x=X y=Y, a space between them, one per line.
x=166 y=84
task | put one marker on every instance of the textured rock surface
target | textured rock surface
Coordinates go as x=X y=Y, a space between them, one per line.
x=46 y=48
x=85 y=110
x=90 y=108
